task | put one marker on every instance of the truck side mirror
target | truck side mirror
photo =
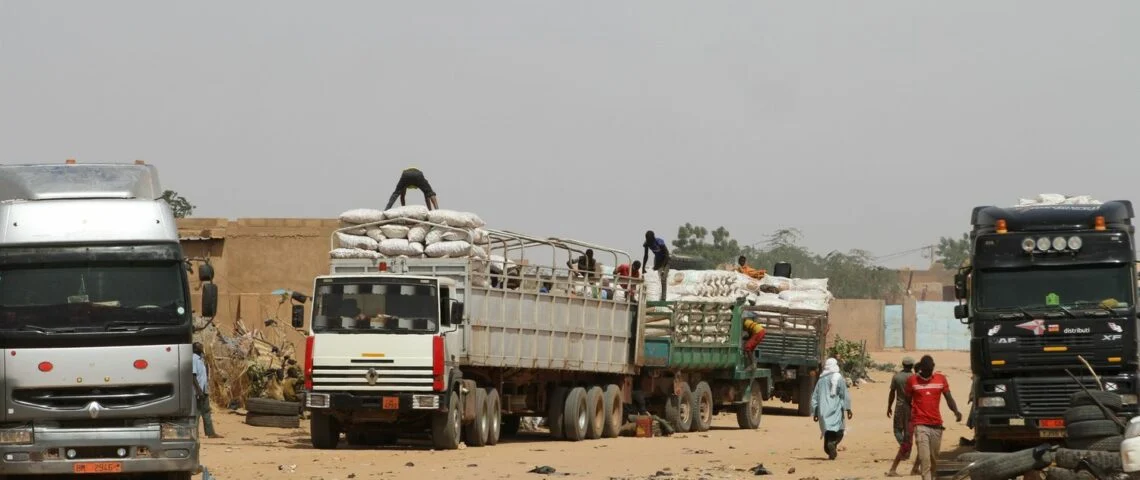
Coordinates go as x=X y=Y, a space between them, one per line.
x=960 y=286
x=298 y=316
x=209 y=300
x=206 y=272
x=961 y=311
x=457 y=313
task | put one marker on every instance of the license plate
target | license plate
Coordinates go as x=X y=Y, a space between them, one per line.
x=98 y=467
x=1051 y=423
x=1052 y=433
x=391 y=403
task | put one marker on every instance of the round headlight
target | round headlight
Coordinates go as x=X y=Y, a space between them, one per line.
x=1075 y=243
x=1043 y=243
x=1028 y=244
x=1059 y=243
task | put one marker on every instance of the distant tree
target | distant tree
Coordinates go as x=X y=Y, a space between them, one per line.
x=953 y=253
x=180 y=205
x=691 y=241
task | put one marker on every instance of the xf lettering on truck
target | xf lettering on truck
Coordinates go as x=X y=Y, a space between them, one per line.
x=1111 y=337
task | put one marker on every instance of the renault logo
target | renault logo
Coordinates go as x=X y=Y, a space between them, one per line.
x=371 y=376
x=94 y=409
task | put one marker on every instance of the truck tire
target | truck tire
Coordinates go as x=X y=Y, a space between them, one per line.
x=615 y=411
x=748 y=413
x=703 y=413
x=1010 y=465
x=576 y=415
x=1092 y=429
x=511 y=425
x=495 y=422
x=1109 y=461
x=324 y=432
x=595 y=413
x=804 y=389
x=556 y=412
x=1056 y=473
x=446 y=426
x=1109 y=399
x=269 y=406
x=1084 y=413
x=475 y=433
x=1106 y=444
x=679 y=409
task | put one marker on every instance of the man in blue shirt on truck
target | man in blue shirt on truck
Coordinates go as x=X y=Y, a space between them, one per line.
x=660 y=250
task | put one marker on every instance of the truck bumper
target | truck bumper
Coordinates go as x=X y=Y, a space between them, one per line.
x=398 y=402
x=59 y=451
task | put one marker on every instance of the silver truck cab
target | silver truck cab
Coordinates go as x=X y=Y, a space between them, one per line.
x=95 y=324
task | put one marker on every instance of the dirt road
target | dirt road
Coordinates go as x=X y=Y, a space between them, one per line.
x=784 y=442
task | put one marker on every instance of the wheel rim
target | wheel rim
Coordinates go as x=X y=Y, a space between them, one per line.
x=684 y=412
x=706 y=410
x=582 y=421
x=754 y=404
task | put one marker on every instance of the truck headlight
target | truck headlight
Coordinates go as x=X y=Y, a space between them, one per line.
x=1129 y=399
x=174 y=431
x=17 y=436
x=991 y=402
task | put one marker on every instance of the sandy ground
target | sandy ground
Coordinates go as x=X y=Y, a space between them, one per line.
x=788 y=446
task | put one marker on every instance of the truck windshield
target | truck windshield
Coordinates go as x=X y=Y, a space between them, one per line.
x=96 y=296
x=376 y=308
x=1078 y=286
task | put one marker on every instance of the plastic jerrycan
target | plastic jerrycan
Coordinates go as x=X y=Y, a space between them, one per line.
x=1130 y=447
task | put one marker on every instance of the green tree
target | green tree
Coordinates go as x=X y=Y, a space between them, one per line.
x=180 y=205
x=691 y=241
x=953 y=253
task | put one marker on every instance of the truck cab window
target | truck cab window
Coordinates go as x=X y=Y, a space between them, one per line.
x=376 y=307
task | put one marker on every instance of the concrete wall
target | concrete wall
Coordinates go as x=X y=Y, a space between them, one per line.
x=918 y=326
x=854 y=319
x=893 y=326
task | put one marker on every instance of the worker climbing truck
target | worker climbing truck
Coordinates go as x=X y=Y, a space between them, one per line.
x=1047 y=285
x=95 y=324
x=460 y=349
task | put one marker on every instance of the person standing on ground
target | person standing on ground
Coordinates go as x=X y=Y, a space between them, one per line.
x=898 y=404
x=828 y=402
x=202 y=388
x=413 y=178
x=656 y=244
x=925 y=389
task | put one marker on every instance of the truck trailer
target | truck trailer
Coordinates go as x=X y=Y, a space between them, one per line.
x=95 y=324
x=454 y=350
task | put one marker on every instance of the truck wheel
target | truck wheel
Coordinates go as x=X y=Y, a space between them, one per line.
x=615 y=412
x=703 y=413
x=555 y=412
x=323 y=431
x=679 y=409
x=446 y=426
x=1011 y=465
x=1106 y=444
x=576 y=416
x=475 y=433
x=748 y=414
x=804 y=390
x=269 y=406
x=595 y=413
x=1092 y=429
x=495 y=414
x=1083 y=414
x=511 y=425
x=1109 y=399
x=275 y=421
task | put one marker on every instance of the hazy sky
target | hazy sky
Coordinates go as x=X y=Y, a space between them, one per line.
x=873 y=124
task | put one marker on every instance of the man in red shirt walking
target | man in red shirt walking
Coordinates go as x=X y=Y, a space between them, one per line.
x=925 y=390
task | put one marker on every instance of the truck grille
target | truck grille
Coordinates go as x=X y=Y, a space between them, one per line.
x=78 y=397
x=777 y=345
x=372 y=375
x=1048 y=398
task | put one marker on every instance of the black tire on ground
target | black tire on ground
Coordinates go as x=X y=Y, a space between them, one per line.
x=510 y=426
x=805 y=388
x=1083 y=414
x=969 y=457
x=324 y=432
x=1057 y=473
x=447 y=426
x=495 y=422
x=555 y=412
x=269 y=406
x=1109 y=461
x=679 y=409
x=1011 y=465
x=748 y=413
x=615 y=412
x=1092 y=429
x=595 y=413
x=276 y=421
x=577 y=416
x=703 y=408
x=1106 y=444
x=475 y=433
x=1109 y=399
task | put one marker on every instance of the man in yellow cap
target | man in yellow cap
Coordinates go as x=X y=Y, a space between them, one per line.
x=413 y=178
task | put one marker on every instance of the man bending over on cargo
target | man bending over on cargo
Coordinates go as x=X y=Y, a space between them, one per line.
x=656 y=244
x=413 y=178
x=624 y=272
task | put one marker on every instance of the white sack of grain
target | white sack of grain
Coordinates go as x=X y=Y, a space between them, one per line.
x=818 y=284
x=395 y=231
x=780 y=283
x=355 y=241
x=358 y=216
x=353 y=253
x=478 y=252
x=448 y=249
x=454 y=218
x=352 y=229
x=805 y=295
x=395 y=247
x=481 y=237
x=438 y=234
x=415 y=212
x=418 y=233
x=375 y=234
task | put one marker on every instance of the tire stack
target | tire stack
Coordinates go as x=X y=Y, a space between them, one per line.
x=266 y=412
x=1087 y=427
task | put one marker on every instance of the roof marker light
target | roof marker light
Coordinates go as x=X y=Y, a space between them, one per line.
x=70 y=161
x=1000 y=225
x=1043 y=244
x=1099 y=224
x=1059 y=243
x=1075 y=243
x=1028 y=244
